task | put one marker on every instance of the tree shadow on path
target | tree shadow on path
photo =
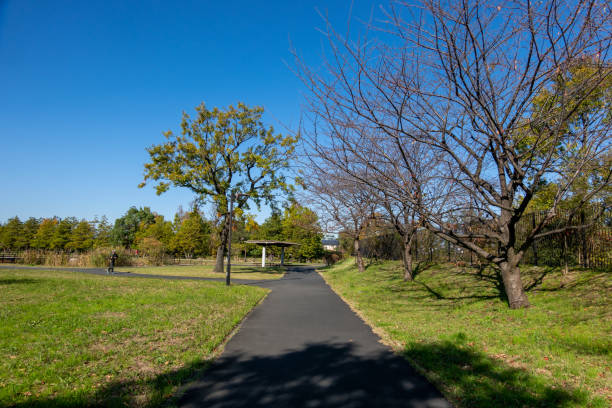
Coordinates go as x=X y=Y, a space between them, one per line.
x=333 y=375
x=319 y=375
x=477 y=380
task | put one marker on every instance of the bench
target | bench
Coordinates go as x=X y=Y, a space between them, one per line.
x=9 y=258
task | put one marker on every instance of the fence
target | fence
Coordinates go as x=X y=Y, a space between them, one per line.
x=589 y=247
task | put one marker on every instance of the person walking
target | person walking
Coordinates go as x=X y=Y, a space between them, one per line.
x=112 y=259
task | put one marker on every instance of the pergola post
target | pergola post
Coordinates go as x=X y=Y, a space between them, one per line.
x=265 y=243
x=263 y=256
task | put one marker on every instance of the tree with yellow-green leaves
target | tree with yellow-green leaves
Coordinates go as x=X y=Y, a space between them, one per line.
x=591 y=182
x=220 y=153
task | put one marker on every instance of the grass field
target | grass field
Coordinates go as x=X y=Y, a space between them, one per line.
x=71 y=339
x=454 y=325
x=205 y=271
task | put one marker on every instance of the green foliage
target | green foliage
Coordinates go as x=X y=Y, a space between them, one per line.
x=221 y=152
x=103 y=233
x=12 y=237
x=160 y=230
x=124 y=231
x=297 y=224
x=192 y=237
x=30 y=227
x=82 y=237
x=301 y=225
x=579 y=99
x=153 y=249
x=272 y=227
x=44 y=235
x=62 y=234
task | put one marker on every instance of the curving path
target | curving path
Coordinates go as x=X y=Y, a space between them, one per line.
x=304 y=347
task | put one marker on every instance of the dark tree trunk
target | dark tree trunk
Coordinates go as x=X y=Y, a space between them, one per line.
x=511 y=275
x=407 y=257
x=219 y=262
x=565 y=254
x=534 y=245
x=358 y=257
x=222 y=246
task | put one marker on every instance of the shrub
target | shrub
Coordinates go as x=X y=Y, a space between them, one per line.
x=331 y=257
x=99 y=257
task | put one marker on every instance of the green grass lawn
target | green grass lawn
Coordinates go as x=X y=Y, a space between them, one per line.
x=71 y=339
x=205 y=271
x=454 y=325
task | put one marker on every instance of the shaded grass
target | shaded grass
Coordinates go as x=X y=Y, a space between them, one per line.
x=455 y=326
x=80 y=340
x=206 y=271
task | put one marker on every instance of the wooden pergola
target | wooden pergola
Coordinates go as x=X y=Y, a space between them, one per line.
x=266 y=243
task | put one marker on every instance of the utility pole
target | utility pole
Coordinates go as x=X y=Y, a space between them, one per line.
x=229 y=241
x=228 y=272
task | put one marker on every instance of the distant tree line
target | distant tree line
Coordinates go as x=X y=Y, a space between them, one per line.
x=147 y=233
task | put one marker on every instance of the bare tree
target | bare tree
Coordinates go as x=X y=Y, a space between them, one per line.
x=342 y=203
x=500 y=94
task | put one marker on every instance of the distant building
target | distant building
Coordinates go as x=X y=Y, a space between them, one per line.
x=330 y=244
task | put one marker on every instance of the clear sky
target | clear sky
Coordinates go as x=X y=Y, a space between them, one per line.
x=86 y=86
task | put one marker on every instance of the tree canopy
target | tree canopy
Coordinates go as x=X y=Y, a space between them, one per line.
x=219 y=153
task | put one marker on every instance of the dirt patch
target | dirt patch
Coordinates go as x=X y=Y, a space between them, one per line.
x=101 y=347
x=143 y=367
x=111 y=315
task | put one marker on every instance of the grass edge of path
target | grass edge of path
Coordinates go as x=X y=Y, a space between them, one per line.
x=216 y=353
x=484 y=373
x=176 y=378
x=395 y=346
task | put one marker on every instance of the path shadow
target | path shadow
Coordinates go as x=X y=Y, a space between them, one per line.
x=477 y=380
x=536 y=281
x=440 y=296
x=18 y=281
x=318 y=375
x=335 y=375
x=420 y=268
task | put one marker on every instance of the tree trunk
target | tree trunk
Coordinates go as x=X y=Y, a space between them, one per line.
x=222 y=246
x=565 y=250
x=219 y=262
x=534 y=246
x=513 y=286
x=407 y=257
x=358 y=257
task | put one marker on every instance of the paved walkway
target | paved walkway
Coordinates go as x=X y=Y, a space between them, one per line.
x=102 y=271
x=304 y=347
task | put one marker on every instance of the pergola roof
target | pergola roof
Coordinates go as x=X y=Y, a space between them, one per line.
x=267 y=242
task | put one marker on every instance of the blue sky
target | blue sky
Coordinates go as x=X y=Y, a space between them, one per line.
x=88 y=85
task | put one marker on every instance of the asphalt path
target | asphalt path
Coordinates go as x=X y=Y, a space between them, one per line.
x=102 y=271
x=304 y=347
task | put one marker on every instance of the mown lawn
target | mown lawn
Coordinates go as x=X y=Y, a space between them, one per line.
x=71 y=339
x=206 y=271
x=454 y=325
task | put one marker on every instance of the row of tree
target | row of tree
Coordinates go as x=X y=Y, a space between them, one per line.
x=189 y=235
x=462 y=118
x=53 y=234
